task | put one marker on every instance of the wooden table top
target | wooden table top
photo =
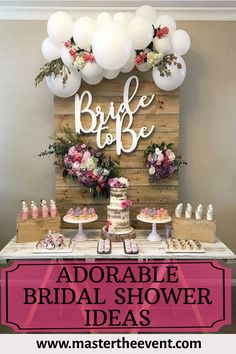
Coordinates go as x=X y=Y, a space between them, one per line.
x=88 y=249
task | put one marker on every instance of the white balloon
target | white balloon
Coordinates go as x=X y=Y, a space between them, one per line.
x=127 y=69
x=67 y=58
x=129 y=16
x=111 y=45
x=169 y=83
x=144 y=66
x=49 y=50
x=141 y=32
x=91 y=70
x=121 y=18
x=93 y=81
x=180 y=42
x=83 y=32
x=162 y=45
x=71 y=86
x=60 y=27
x=103 y=18
x=130 y=64
x=166 y=21
x=148 y=12
x=110 y=74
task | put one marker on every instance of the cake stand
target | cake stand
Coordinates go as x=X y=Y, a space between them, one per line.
x=80 y=235
x=154 y=235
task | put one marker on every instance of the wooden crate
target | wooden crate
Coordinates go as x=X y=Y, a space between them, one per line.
x=163 y=113
x=192 y=229
x=36 y=229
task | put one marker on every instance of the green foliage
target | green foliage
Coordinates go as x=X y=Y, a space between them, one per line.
x=53 y=68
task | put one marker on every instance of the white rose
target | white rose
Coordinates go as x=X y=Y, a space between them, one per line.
x=105 y=172
x=158 y=151
x=151 y=170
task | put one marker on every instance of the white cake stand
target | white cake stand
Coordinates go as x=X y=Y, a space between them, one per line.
x=154 y=235
x=80 y=235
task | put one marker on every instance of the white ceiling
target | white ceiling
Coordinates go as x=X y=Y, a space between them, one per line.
x=218 y=10
x=117 y=3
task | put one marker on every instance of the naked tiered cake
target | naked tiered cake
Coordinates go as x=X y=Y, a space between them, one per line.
x=118 y=212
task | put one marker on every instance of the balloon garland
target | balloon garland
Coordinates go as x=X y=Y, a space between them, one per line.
x=93 y=49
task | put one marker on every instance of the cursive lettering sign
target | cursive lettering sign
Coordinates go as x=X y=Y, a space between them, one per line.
x=98 y=121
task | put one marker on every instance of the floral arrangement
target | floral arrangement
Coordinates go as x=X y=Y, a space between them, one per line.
x=161 y=161
x=80 y=56
x=80 y=161
x=150 y=55
x=120 y=182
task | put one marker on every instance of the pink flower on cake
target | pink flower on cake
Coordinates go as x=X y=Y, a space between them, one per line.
x=126 y=203
x=107 y=225
x=120 y=182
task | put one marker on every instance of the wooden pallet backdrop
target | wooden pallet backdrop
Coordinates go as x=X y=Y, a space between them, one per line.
x=163 y=113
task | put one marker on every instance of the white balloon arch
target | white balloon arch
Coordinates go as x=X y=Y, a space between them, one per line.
x=103 y=47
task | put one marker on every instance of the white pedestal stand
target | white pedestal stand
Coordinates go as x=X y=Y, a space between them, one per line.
x=80 y=235
x=154 y=235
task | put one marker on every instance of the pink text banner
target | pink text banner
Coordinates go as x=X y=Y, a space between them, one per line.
x=116 y=296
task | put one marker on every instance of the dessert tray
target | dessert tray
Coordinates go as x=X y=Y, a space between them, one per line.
x=154 y=235
x=80 y=235
x=67 y=248
x=174 y=245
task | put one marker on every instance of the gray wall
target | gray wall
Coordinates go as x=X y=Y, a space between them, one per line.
x=208 y=124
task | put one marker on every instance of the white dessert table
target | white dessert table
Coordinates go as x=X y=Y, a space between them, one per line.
x=88 y=250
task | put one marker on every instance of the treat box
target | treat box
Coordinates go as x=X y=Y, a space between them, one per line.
x=137 y=252
x=107 y=252
x=36 y=229
x=192 y=229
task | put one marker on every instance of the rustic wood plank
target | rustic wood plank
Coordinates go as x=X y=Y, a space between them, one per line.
x=163 y=112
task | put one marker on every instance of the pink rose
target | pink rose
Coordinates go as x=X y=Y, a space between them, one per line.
x=83 y=146
x=160 y=158
x=86 y=156
x=72 y=151
x=170 y=154
x=76 y=166
x=88 y=57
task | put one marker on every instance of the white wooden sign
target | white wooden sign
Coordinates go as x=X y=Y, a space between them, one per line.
x=99 y=121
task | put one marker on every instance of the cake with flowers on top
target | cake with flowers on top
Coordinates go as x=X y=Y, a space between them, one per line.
x=80 y=214
x=153 y=214
x=118 y=211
